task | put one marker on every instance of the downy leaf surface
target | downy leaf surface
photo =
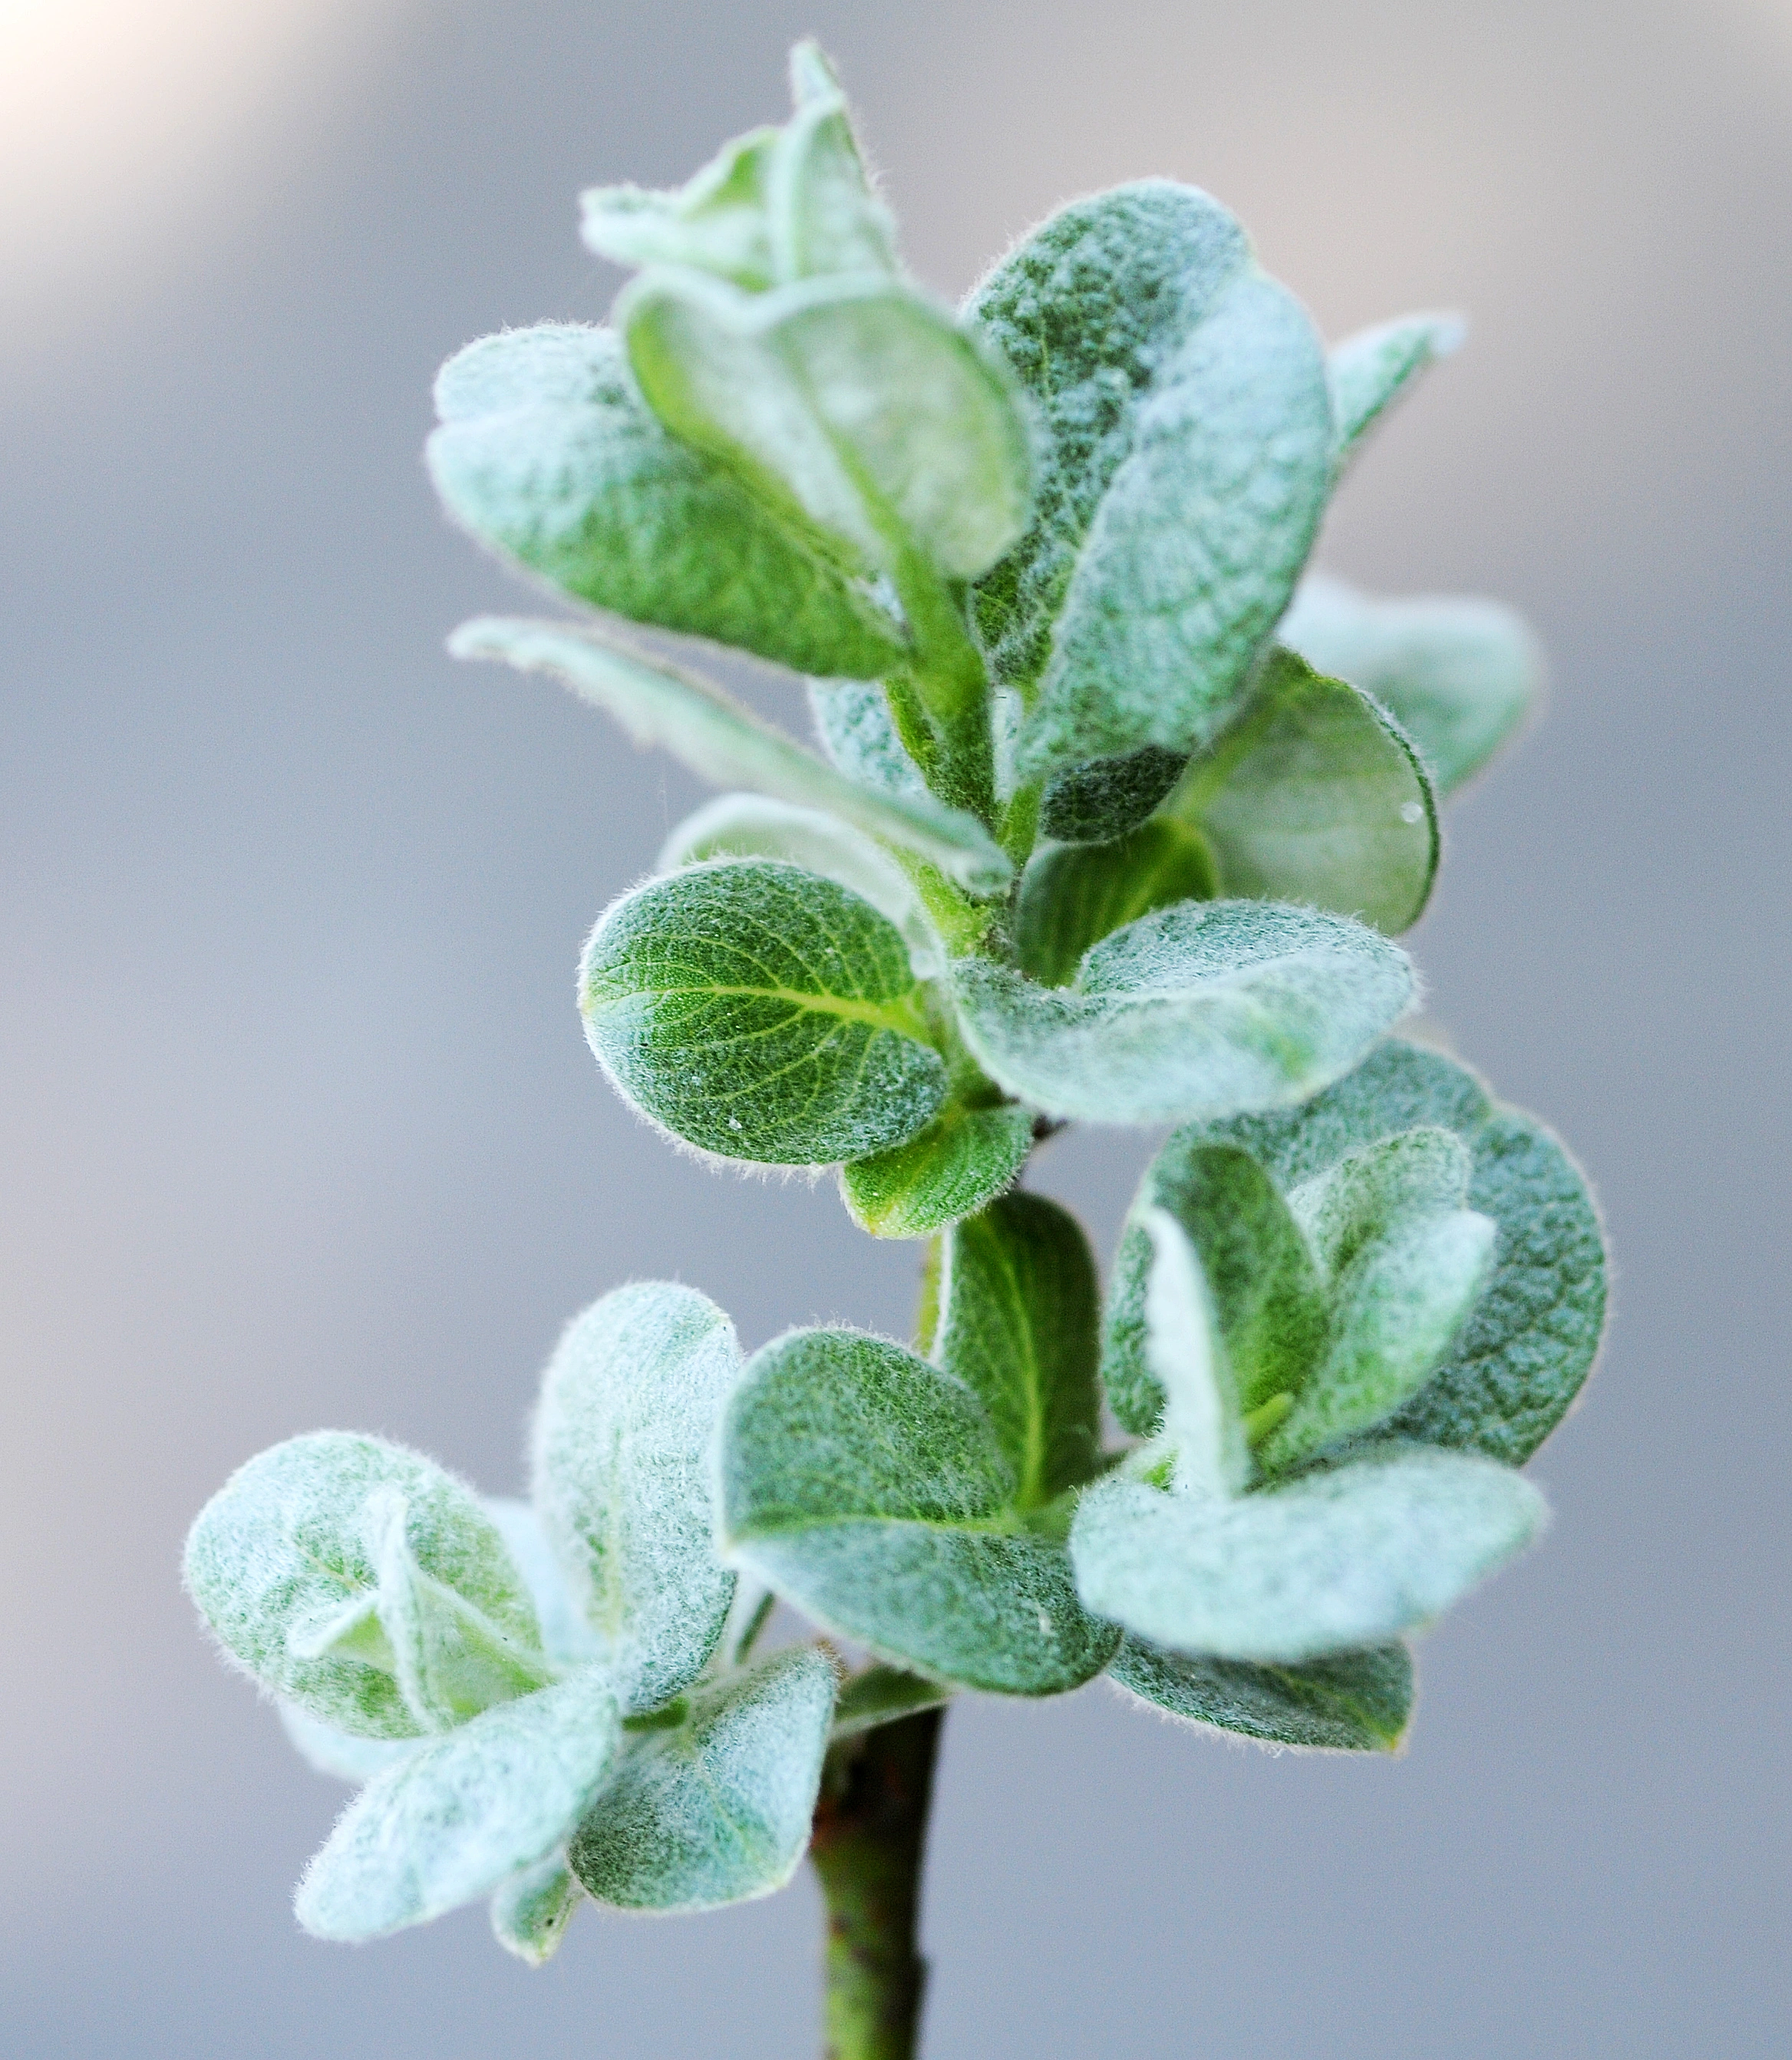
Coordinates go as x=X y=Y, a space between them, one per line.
x=620 y=1464
x=760 y=1011
x=883 y=1695
x=456 y=1818
x=366 y=1586
x=660 y=703
x=1458 y=675
x=1186 y=460
x=1197 y=1009
x=717 y=1811
x=1074 y=895
x=1352 y=1702
x=870 y=1489
x=1374 y=367
x=339 y=1754
x=531 y=1910
x=1522 y=1357
x=852 y=720
x=1019 y=1320
x=548 y=454
x=1350 y=1556
x=964 y=1158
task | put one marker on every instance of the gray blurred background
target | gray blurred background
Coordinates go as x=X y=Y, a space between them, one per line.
x=299 y=1128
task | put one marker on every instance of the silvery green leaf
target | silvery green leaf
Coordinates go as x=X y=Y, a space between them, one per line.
x=760 y=1011
x=746 y=826
x=1019 y=1315
x=1198 y=1009
x=883 y=1695
x=964 y=1158
x=870 y=1490
x=718 y=1809
x=1396 y=1310
x=850 y=404
x=1203 y=1422
x=719 y=221
x=1523 y=1355
x=658 y=703
x=455 y=1819
x=339 y=1754
x=1074 y=895
x=1413 y=1174
x=825 y=217
x=284 y=1563
x=1188 y=460
x=548 y=454
x=1094 y=803
x=1312 y=794
x=620 y=1467
x=1458 y=675
x=567 y=1639
x=852 y=720
x=1349 y=1557
x=1352 y=1702
x=531 y=1910
x=1373 y=369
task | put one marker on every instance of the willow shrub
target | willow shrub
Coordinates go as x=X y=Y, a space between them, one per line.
x=1114 y=815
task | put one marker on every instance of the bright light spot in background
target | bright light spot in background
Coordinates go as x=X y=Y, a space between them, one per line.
x=123 y=123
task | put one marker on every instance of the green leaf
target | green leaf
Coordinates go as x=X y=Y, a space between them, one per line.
x=1202 y=1009
x=454 y=1820
x=567 y=1637
x=365 y=1584
x=1204 y=1422
x=761 y=1013
x=1268 y=1303
x=964 y=1158
x=1074 y=895
x=532 y=1910
x=1091 y=804
x=619 y=1461
x=883 y=1695
x=1019 y=1312
x=1312 y=794
x=658 y=703
x=744 y=826
x=1375 y=367
x=850 y=404
x=548 y=454
x=1350 y=1557
x=339 y=1754
x=1410 y=1176
x=717 y=1810
x=870 y=1490
x=1523 y=1355
x=1458 y=675
x=1353 y=1702
x=1189 y=457
x=852 y=719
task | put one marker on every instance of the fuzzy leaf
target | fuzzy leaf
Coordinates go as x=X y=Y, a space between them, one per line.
x=1074 y=895
x=964 y=1158
x=567 y=1639
x=657 y=703
x=718 y=1809
x=454 y=1820
x=1188 y=459
x=1524 y=1353
x=1395 y=1312
x=883 y=1695
x=852 y=720
x=339 y=1754
x=1199 y=1007
x=338 y=1570
x=1412 y=1174
x=1312 y=794
x=1353 y=1702
x=1350 y=1557
x=744 y=826
x=1094 y=803
x=870 y=1490
x=850 y=404
x=548 y=454
x=532 y=1910
x=1458 y=675
x=619 y=1461
x=1203 y=1421
x=1019 y=1310
x=760 y=1011
x=1375 y=367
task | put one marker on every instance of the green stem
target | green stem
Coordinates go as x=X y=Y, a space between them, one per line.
x=867 y=1845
